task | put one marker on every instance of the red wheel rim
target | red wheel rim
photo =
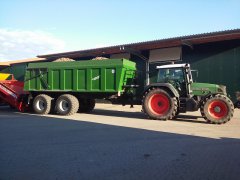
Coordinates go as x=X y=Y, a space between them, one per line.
x=217 y=109
x=159 y=103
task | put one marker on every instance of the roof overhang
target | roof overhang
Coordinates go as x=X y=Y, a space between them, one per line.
x=156 y=44
x=4 y=64
x=9 y=63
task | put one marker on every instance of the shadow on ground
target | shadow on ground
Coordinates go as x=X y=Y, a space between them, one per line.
x=114 y=113
x=38 y=147
x=189 y=118
x=141 y=115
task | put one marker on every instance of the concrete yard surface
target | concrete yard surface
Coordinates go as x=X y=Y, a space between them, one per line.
x=116 y=142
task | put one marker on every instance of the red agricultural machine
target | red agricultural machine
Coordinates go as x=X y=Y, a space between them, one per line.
x=12 y=93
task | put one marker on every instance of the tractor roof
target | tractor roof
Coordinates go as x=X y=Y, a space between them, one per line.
x=173 y=66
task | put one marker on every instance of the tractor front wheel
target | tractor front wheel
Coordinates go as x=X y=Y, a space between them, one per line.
x=158 y=104
x=217 y=109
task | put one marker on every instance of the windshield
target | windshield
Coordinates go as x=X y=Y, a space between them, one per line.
x=172 y=74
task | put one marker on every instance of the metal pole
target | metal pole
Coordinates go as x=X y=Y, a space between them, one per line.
x=147 y=73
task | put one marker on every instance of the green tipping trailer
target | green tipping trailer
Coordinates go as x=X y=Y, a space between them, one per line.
x=101 y=76
x=81 y=81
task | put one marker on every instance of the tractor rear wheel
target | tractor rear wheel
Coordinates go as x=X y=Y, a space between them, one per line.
x=42 y=104
x=177 y=113
x=158 y=104
x=67 y=104
x=217 y=109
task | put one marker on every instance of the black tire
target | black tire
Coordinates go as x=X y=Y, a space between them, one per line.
x=162 y=107
x=217 y=109
x=177 y=113
x=86 y=105
x=42 y=104
x=67 y=104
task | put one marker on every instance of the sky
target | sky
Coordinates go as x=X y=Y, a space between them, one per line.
x=35 y=27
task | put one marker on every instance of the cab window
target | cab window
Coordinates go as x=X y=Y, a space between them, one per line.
x=174 y=74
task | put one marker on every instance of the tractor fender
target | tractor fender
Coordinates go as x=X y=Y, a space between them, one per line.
x=166 y=86
x=207 y=96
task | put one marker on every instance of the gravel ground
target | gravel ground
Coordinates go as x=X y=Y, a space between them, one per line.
x=116 y=142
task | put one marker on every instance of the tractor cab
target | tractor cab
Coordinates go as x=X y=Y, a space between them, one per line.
x=178 y=75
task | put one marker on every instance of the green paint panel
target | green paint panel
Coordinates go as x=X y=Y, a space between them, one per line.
x=110 y=79
x=201 y=89
x=68 y=79
x=81 y=76
x=95 y=79
x=140 y=74
x=56 y=79
x=33 y=83
x=44 y=80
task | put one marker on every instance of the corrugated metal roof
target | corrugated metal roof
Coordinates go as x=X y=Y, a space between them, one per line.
x=160 y=43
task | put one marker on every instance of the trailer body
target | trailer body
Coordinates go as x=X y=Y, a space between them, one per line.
x=96 y=76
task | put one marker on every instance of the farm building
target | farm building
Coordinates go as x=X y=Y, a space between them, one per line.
x=215 y=56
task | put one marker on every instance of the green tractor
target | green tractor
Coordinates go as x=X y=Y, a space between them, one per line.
x=175 y=92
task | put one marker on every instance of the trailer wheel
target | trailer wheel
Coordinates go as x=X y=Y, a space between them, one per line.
x=86 y=105
x=217 y=109
x=158 y=104
x=67 y=104
x=42 y=104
